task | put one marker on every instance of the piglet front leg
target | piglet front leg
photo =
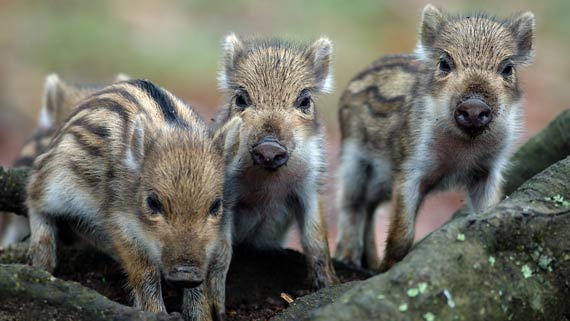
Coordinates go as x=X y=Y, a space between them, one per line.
x=312 y=224
x=42 y=250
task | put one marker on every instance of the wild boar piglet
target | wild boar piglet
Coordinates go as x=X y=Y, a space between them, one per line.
x=137 y=173
x=276 y=164
x=446 y=117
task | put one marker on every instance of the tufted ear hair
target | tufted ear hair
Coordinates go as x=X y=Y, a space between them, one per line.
x=432 y=19
x=320 y=54
x=523 y=28
x=233 y=48
x=55 y=92
x=135 y=151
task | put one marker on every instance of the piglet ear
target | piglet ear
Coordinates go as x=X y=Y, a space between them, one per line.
x=121 y=77
x=233 y=48
x=524 y=29
x=135 y=150
x=320 y=54
x=227 y=137
x=54 y=95
x=432 y=19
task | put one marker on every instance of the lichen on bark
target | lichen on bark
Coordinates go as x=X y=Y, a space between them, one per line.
x=513 y=264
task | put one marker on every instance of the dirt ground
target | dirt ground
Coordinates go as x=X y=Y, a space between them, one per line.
x=256 y=280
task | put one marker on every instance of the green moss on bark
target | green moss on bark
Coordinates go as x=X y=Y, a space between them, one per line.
x=527 y=278
x=29 y=294
x=13 y=190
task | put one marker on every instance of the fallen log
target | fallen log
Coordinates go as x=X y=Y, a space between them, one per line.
x=549 y=146
x=30 y=294
x=509 y=263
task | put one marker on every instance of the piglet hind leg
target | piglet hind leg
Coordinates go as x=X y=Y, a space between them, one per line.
x=42 y=250
x=370 y=259
x=406 y=199
x=352 y=212
x=349 y=243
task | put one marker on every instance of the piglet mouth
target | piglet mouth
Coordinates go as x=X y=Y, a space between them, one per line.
x=184 y=276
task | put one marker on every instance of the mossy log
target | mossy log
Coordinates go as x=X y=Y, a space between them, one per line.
x=13 y=190
x=542 y=150
x=30 y=294
x=509 y=263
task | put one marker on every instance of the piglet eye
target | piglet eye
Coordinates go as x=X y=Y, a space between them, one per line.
x=507 y=70
x=154 y=204
x=445 y=64
x=242 y=100
x=303 y=101
x=215 y=207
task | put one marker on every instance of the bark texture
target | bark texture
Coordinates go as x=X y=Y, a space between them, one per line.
x=30 y=294
x=509 y=263
x=13 y=190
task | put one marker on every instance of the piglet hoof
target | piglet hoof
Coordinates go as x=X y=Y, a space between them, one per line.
x=324 y=280
x=40 y=259
x=219 y=316
x=348 y=256
x=218 y=311
x=372 y=264
x=175 y=316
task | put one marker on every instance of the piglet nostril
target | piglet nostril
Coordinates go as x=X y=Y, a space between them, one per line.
x=257 y=157
x=462 y=116
x=485 y=117
x=279 y=158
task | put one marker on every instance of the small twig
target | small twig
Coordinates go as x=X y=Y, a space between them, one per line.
x=287 y=297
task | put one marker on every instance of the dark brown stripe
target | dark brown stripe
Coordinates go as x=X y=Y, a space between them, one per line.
x=120 y=92
x=83 y=141
x=104 y=103
x=162 y=98
x=85 y=174
x=98 y=130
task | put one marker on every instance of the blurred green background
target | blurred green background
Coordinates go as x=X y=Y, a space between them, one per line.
x=177 y=44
